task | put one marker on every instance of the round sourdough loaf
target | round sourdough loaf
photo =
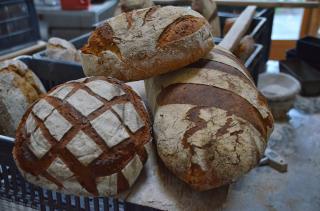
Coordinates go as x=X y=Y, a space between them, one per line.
x=85 y=137
x=211 y=124
x=60 y=49
x=19 y=87
x=147 y=42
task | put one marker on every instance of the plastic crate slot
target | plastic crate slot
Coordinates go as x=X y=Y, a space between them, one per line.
x=6 y=178
x=115 y=205
x=59 y=201
x=14 y=19
x=106 y=204
x=87 y=203
x=16 y=33
x=78 y=204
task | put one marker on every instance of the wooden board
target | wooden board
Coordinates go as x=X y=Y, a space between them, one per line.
x=156 y=187
x=239 y=28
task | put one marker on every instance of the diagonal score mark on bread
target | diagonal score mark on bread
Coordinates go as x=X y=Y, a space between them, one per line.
x=148 y=15
x=148 y=42
x=89 y=174
x=181 y=27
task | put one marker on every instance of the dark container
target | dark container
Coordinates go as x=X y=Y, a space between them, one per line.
x=15 y=189
x=291 y=54
x=307 y=75
x=18 y=25
x=308 y=49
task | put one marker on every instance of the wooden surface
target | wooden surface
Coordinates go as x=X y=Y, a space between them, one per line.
x=280 y=47
x=310 y=22
x=261 y=3
x=239 y=28
x=158 y=188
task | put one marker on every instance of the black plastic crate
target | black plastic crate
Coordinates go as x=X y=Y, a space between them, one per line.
x=14 y=188
x=256 y=29
x=308 y=49
x=18 y=25
x=308 y=76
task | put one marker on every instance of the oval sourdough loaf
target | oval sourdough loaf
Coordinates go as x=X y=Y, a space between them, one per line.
x=211 y=124
x=147 y=42
x=60 y=49
x=19 y=87
x=85 y=137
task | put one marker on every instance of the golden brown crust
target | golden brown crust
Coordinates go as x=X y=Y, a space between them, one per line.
x=180 y=28
x=101 y=40
x=146 y=42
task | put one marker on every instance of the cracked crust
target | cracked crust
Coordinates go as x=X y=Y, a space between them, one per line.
x=211 y=124
x=147 y=42
x=19 y=87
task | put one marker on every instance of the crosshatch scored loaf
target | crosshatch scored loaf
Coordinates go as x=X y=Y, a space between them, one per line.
x=86 y=137
x=211 y=125
x=19 y=87
x=147 y=42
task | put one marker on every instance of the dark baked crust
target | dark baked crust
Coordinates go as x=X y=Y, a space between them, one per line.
x=180 y=28
x=111 y=161
x=145 y=43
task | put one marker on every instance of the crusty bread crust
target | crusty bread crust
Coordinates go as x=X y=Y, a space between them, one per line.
x=19 y=87
x=211 y=124
x=147 y=42
x=85 y=137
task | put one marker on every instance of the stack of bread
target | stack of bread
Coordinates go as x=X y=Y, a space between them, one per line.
x=210 y=123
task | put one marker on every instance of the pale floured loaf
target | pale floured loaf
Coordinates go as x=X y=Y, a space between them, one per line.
x=85 y=137
x=60 y=49
x=211 y=125
x=147 y=42
x=19 y=87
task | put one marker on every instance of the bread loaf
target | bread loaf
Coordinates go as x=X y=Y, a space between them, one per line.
x=19 y=87
x=209 y=10
x=246 y=48
x=147 y=42
x=60 y=49
x=211 y=125
x=85 y=137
